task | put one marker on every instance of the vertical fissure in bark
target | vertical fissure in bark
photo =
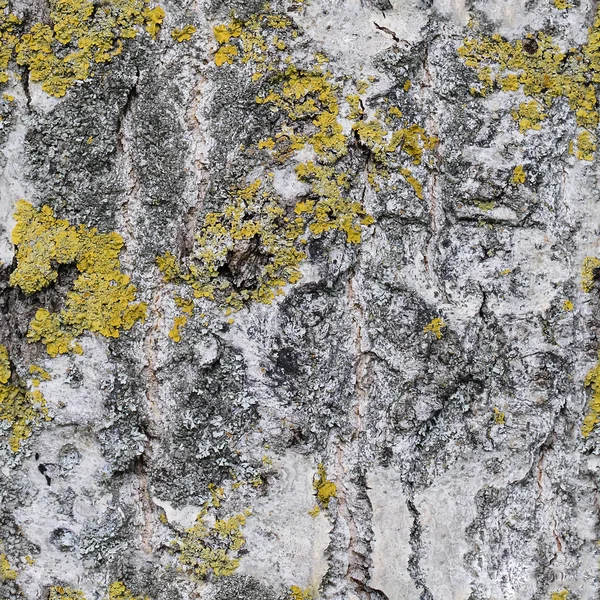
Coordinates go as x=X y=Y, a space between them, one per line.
x=416 y=543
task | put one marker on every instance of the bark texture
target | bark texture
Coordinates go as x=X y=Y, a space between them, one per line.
x=311 y=309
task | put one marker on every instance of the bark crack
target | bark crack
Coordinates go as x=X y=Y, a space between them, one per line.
x=352 y=536
x=416 y=544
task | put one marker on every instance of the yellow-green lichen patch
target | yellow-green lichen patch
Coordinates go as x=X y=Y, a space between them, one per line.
x=539 y=68
x=4 y=365
x=7 y=573
x=175 y=334
x=585 y=146
x=325 y=489
x=529 y=115
x=499 y=416
x=332 y=209
x=435 y=327
x=119 y=591
x=20 y=408
x=564 y=594
x=313 y=100
x=58 y=592
x=390 y=148
x=225 y=55
x=153 y=18
x=223 y=33
x=561 y=5
x=309 y=99
x=567 y=306
x=258 y=38
x=81 y=34
x=485 y=205
x=588 y=272
x=183 y=34
x=102 y=297
x=313 y=103
x=185 y=305
x=8 y=38
x=592 y=380
x=253 y=224
x=518 y=176
x=212 y=546
x=39 y=373
x=298 y=593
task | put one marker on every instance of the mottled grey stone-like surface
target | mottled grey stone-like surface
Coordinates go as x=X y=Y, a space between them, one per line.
x=437 y=498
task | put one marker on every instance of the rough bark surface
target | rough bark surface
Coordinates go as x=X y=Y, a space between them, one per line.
x=399 y=411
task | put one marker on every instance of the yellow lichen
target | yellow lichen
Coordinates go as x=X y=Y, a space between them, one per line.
x=223 y=33
x=499 y=416
x=175 y=334
x=395 y=112
x=332 y=209
x=297 y=593
x=362 y=86
x=225 y=54
x=254 y=221
x=20 y=408
x=388 y=146
x=119 y=591
x=564 y=594
x=268 y=144
x=540 y=69
x=567 y=306
x=324 y=488
x=39 y=373
x=355 y=108
x=518 y=176
x=153 y=18
x=7 y=573
x=8 y=38
x=183 y=34
x=186 y=306
x=529 y=115
x=102 y=297
x=593 y=417
x=58 y=592
x=588 y=272
x=413 y=182
x=435 y=327
x=310 y=95
x=207 y=548
x=4 y=365
x=561 y=5
x=586 y=146
x=79 y=36
x=485 y=205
